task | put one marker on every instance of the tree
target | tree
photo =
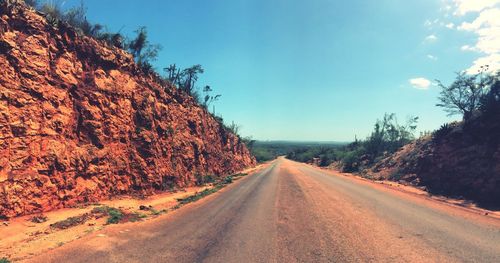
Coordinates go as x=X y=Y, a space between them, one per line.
x=249 y=142
x=173 y=74
x=490 y=102
x=189 y=78
x=142 y=50
x=464 y=95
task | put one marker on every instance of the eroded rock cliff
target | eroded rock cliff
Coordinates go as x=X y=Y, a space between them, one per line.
x=79 y=122
x=460 y=160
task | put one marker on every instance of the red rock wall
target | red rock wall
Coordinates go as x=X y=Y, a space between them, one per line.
x=80 y=123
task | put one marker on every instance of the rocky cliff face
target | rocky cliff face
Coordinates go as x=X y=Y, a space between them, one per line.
x=79 y=122
x=459 y=160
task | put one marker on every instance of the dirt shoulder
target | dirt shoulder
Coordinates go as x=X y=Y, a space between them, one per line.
x=458 y=207
x=27 y=236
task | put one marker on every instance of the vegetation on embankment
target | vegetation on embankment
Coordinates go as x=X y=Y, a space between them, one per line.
x=387 y=137
x=460 y=159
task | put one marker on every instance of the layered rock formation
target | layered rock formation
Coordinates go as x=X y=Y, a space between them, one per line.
x=80 y=122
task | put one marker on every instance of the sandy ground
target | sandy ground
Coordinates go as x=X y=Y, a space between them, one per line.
x=21 y=239
x=291 y=212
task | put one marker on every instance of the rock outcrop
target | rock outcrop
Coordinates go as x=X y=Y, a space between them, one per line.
x=459 y=160
x=80 y=122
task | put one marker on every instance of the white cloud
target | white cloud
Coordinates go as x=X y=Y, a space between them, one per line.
x=487 y=28
x=465 y=6
x=450 y=25
x=431 y=38
x=420 y=83
x=487 y=18
x=431 y=57
x=467 y=48
x=492 y=61
x=432 y=23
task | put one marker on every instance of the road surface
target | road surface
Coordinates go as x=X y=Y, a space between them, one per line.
x=292 y=212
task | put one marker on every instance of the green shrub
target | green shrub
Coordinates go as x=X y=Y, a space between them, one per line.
x=228 y=180
x=4 y=260
x=115 y=216
x=440 y=133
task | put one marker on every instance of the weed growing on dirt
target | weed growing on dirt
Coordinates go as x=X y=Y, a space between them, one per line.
x=38 y=219
x=71 y=221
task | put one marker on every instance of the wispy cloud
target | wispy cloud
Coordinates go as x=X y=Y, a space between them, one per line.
x=420 y=83
x=431 y=57
x=467 y=48
x=450 y=25
x=431 y=38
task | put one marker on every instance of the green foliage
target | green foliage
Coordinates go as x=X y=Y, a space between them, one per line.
x=233 y=128
x=157 y=212
x=440 y=133
x=4 y=260
x=77 y=18
x=387 y=137
x=186 y=79
x=208 y=98
x=465 y=94
x=490 y=102
x=228 y=179
x=143 y=51
x=198 y=196
x=249 y=142
x=115 y=215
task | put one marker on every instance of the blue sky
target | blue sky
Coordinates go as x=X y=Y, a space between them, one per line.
x=314 y=70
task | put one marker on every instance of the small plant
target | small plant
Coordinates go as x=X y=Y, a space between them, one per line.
x=4 y=260
x=440 y=133
x=71 y=221
x=141 y=215
x=198 y=196
x=158 y=212
x=134 y=217
x=38 y=219
x=115 y=216
x=228 y=180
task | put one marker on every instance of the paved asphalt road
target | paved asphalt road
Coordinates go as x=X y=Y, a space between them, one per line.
x=291 y=212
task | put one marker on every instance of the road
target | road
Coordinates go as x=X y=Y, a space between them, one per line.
x=292 y=212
